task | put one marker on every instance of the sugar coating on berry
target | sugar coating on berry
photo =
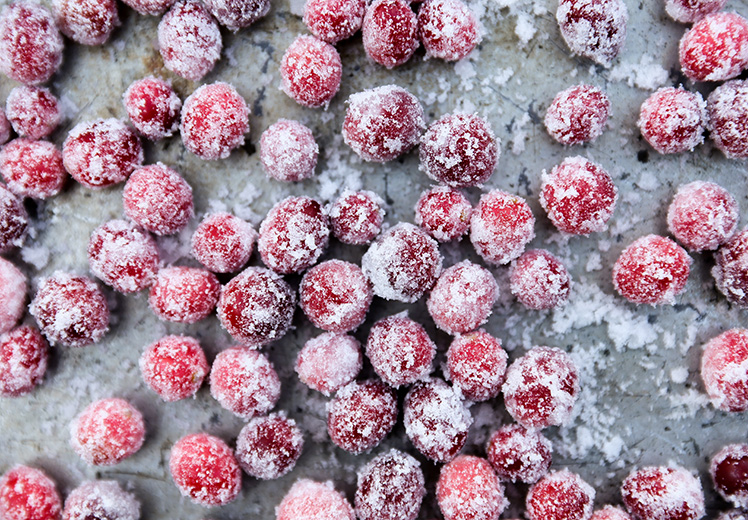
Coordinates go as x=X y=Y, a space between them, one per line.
x=30 y=44
x=88 y=22
x=436 y=420
x=519 y=454
x=383 y=123
x=730 y=271
x=400 y=350
x=150 y=7
x=5 y=127
x=256 y=306
x=356 y=217
x=723 y=370
x=174 y=367
x=727 y=107
x=288 y=151
x=311 y=71
x=459 y=150
x=578 y=195
x=223 y=242
x=715 y=48
x=389 y=32
x=204 y=469
x=123 y=256
x=541 y=388
x=444 y=213
x=158 y=199
x=673 y=120
x=70 y=309
x=468 y=489
x=334 y=20
x=729 y=471
x=689 y=11
x=14 y=220
x=702 y=216
x=33 y=111
x=13 y=295
x=153 y=107
x=403 y=263
x=189 y=40
x=329 y=361
x=653 y=270
x=501 y=226
x=539 y=280
x=610 y=513
x=560 y=495
x=23 y=360
x=476 y=364
x=27 y=493
x=734 y=514
x=663 y=493
x=577 y=115
x=107 y=431
x=184 y=294
x=448 y=29
x=244 y=382
x=32 y=168
x=268 y=447
x=237 y=14
x=101 y=499
x=214 y=120
x=595 y=29
x=311 y=500
x=390 y=487
x=101 y=152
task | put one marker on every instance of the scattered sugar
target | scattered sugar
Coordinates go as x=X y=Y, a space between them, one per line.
x=646 y=75
x=648 y=181
x=36 y=255
x=685 y=405
x=679 y=375
x=519 y=134
x=525 y=29
x=337 y=174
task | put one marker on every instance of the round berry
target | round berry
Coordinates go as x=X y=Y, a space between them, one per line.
x=310 y=500
x=244 y=382
x=560 y=495
x=610 y=513
x=70 y=310
x=729 y=471
x=32 y=168
x=727 y=108
x=311 y=71
x=403 y=263
x=663 y=493
x=702 y=215
x=268 y=447
x=5 y=127
x=400 y=350
x=730 y=271
x=334 y=20
x=329 y=361
x=541 y=388
x=723 y=370
x=356 y=217
x=595 y=29
x=205 y=470
x=519 y=454
x=150 y=7
x=256 y=307
x=174 y=367
x=653 y=270
x=715 y=48
x=158 y=199
x=288 y=151
x=390 y=487
x=476 y=364
x=184 y=294
x=107 y=431
x=448 y=29
x=223 y=243
x=103 y=499
x=390 y=32
x=689 y=11
x=30 y=44
x=23 y=361
x=33 y=111
x=539 y=280
x=14 y=220
x=123 y=256
x=468 y=489
x=101 y=153
x=27 y=493
x=444 y=213
x=88 y=22
x=673 y=120
x=153 y=107
x=501 y=226
x=577 y=115
x=13 y=295
x=237 y=14
x=383 y=123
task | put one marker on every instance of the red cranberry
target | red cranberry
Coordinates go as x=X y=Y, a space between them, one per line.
x=311 y=71
x=153 y=107
x=610 y=513
x=400 y=350
x=13 y=295
x=730 y=271
x=729 y=471
x=689 y=11
x=723 y=370
x=594 y=29
x=329 y=361
x=539 y=280
x=519 y=454
x=174 y=367
x=448 y=29
x=390 y=487
x=468 y=489
x=184 y=294
x=223 y=243
x=727 y=107
x=33 y=111
x=150 y=7
x=334 y=20
x=702 y=215
x=103 y=499
x=560 y=495
x=476 y=364
x=308 y=500
x=158 y=199
x=237 y=14
x=577 y=115
x=663 y=493
x=389 y=32
x=500 y=227
x=356 y=217
x=673 y=120
x=23 y=361
x=288 y=151
x=107 y=431
x=32 y=168
x=13 y=220
x=715 y=48
x=444 y=213
x=88 y=22
x=27 y=493
x=244 y=382
x=268 y=447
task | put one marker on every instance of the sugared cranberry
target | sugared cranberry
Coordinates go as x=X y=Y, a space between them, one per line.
x=400 y=350
x=223 y=242
x=727 y=107
x=153 y=107
x=577 y=115
x=383 y=123
x=158 y=199
x=329 y=361
x=13 y=295
x=205 y=470
x=729 y=471
x=689 y=11
x=595 y=29
x=519 y=454
x=102 y=152
x=310 y=500
x=390 y=487
x=268 y=447
x=334 y=20
x=104 y=499
x=560 y=495
x=730 y=271
x=715 y=48
x=23 y=361
x=702 y=215
x=389 y=32
x=33 y=111
x=476 y=364
x=244 y=382
x=174 y=367
x=539 y=280
x=541 y=388
x=27 y=493
x=288 y=151
x=30 y=44
x=32 y=168
x=610 y=513
x=356 y=217
x=723 y=370
x=663 y=493
x=448 y=29
x=88 y=22
x=5 y=127
x=150 y=7
x=184 y=294
x=734 y=514
x=237 y=14
x=189 y=40
x=311 y=71
x=444 y=213
x=501 y=226
x=468 y=489
x=436 y=420
x=123 y=256
x=673 y=120
x=653 y=270
x=107 y=431
x=13 y=220
x=256 y=307
x=70 y=309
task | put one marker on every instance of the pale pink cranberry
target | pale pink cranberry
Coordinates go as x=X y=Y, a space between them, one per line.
x=329 y=361
x=184 y=294
x=389 y=32
x=268 y=447
x=33 y=111
x=689 y=11
x=223 y=242
x=476 y=364
x=501 y=226
x=174 y=367
x=311 y=71
x=237 y=14
x=101 y=499
x=448 y=29
x=27 y=493
x=390 y=487
x=14 y=220
x=673 y=120
x=595 y=29
x=702 y=215
x=468 y=489
x=560 y=495
x=153 y=107
x=519 y=454
x=663 y=493
x=730 y=269
x=32 y=168
x=356 y=217
x=150 y=7
x=577 y=115
x=5 y=128
x=715 y=48
x=729 y=471
x=23 y=361
x=288 y=151
x=723 y=372
x=189 y=40
x=13 y=296
x=108 y=431
x=444 y=213
x=309 y=500
x=88 y=22
x=610 y=513
x=539 y=280
x=334 y=20
x=727 y=108
x=158 y=199
x=400 y=350
x=244 y=382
